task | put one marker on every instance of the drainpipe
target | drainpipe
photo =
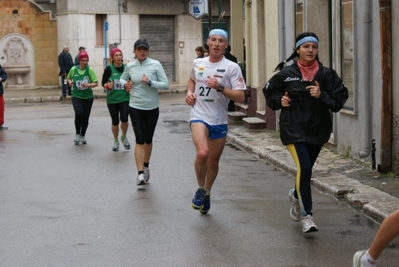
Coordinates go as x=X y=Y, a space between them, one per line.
x=209 y=16
x=373 y=154
x=367 y=74
x=120 y=22
x=105 y=44
x=386 y=65
x=281 y=37
x=281 y=26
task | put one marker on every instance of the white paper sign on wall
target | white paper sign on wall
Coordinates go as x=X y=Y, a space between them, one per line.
x=198 y=8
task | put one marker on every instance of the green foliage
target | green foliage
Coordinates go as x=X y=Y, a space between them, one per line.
x=389 y=175
x=347 y=152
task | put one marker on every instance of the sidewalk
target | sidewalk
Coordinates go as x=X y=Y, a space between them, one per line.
x=342 y=177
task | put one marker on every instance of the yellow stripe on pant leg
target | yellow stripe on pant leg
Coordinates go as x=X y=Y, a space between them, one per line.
x=294 y=155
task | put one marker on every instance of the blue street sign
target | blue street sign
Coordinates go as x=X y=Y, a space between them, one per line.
x=198 y=8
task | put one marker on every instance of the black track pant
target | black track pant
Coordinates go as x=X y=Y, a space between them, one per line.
x=82 y=109
x=304 y=156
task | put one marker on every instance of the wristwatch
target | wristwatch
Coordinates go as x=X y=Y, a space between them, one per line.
x=221 y=88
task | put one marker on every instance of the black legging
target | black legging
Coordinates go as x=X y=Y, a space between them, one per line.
x=144 y=122
x=82 y=109
x=304 y=156
x=119 y=110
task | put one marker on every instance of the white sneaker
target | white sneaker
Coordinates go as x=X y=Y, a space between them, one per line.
x=140 y=179
x=295 y=211
x=358 y=257
x=125 y=142
x=308 y=225
x=3 y=127
x=83 y=140
x=146 y=174
x=115 y=147
x=76 y=141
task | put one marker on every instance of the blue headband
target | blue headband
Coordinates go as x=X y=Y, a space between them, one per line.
x=305 y=40
x=220 y=32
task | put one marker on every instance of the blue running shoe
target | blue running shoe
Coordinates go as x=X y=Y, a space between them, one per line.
x=206 y=205
x=198 y=200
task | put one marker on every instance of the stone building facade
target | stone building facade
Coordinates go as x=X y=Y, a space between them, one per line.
x=28 y=37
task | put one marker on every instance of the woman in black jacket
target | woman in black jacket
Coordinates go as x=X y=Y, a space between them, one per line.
x=305 y=92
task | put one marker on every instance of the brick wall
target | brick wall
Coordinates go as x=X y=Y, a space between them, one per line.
x=26 y=18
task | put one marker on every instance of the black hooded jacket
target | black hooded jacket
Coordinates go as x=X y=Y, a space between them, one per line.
x=307 y=119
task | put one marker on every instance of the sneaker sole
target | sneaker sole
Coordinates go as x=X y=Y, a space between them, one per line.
x=141 y=183
x=311 y=230
x=115 y=149
x=196 y=207
x=203 y=211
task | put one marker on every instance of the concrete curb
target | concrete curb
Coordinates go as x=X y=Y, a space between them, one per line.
x=374 y=203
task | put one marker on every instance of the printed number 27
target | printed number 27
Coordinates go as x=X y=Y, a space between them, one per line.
x=203 y=89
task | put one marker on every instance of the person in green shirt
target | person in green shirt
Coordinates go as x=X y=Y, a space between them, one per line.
x=82 y=79
x=117 y=98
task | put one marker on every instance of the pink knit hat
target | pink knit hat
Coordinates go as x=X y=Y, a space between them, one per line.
x=83 y=55
x=114 y=50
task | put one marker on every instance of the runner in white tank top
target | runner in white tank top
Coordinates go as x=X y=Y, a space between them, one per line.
x=213 y=82
x=211 y=105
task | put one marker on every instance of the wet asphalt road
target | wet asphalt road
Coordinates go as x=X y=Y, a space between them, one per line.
x=66 y=205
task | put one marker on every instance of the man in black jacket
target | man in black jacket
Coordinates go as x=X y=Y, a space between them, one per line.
x=229 y=56
x=65 y=63
x=81 y=49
